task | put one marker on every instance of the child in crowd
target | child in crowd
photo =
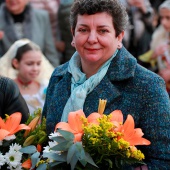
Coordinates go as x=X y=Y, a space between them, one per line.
x=25 y=63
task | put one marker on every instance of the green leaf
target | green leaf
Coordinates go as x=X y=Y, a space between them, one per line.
x=42 y=167
x=62 y=146
x=80 y=153
x=83 y=162
x=35 y=159
x=55 y=156
x=59 y=139
x=67 y=135
x=90 y=160
x=73 y=162
x=71 y=152
x=29 y=149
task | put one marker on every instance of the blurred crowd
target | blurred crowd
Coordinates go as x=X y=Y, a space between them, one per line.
x=45 y=23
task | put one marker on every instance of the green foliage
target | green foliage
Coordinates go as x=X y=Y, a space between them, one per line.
x=37 y=136
x=71 y=154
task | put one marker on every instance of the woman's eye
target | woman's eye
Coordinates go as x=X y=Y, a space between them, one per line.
x=103 y=31
x=83 y=30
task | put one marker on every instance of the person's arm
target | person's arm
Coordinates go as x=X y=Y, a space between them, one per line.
x=155 y=123
x=13 y=100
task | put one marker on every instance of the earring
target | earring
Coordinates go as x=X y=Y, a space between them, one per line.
x=119 y=46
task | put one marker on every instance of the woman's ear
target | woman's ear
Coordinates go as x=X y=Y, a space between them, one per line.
x=72 y=43
x=120 y=38
x=15 y=63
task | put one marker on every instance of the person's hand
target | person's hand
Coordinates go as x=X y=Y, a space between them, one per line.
x=139 y=4
x=165 y=74
x=60 y=45
x=1 y=34
x=144 y=167
x=160 y=50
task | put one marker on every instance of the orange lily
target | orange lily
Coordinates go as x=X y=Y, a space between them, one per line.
x=130 y=133
x=133 y=135
x=117 y=119
x=74 y=124
x=27 y=164
x=11 y=125
x=32 y=125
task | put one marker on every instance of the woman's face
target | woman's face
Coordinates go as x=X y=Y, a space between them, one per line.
x=95 y=38
x=165 y=18
x=29 y=66
x=16 y=6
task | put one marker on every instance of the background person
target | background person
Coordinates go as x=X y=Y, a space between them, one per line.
x=139 y=31
x=103 y=69
x=20 y=20
x=159 y=54
x=25 y=63
x=11 y=100
x=65 y=30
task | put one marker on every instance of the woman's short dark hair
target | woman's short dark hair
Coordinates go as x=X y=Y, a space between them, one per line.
x=112 y=7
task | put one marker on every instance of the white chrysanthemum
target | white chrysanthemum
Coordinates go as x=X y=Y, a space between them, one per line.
x=2 y=159
x=47 y=149
x=18 y=167
x=55 y=134
x=11 y=137
x=13 y=158
x=52 y=143
x=15 y=147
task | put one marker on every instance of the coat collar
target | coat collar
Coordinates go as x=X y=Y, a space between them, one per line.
x=122 y=66
x=121 y=69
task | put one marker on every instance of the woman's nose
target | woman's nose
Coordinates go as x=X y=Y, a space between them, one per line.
x=92 y=37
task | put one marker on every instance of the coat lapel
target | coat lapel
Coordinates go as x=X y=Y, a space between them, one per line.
x=120 y=70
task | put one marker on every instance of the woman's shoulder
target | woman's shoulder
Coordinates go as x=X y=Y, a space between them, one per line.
x=60 y=70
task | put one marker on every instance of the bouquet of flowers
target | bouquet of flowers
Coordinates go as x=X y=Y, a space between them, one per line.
x=98 y=141
x=14 y=136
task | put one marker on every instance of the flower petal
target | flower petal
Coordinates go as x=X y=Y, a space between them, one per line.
x=117 y=116
x=78 y=137
x=2 y=123
x=129 y=125
x=74 y=120
x=92 y=118
x=3 y=134
x=64 y=126
x=13 y=122
x=20 y=127
x=139 y=141
x=27 y=164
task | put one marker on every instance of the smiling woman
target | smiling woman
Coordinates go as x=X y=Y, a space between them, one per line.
x=102 y=68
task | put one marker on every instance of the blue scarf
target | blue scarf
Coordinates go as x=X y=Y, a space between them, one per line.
x=80 y=86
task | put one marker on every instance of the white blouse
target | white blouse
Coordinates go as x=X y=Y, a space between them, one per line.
x=37 y=100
